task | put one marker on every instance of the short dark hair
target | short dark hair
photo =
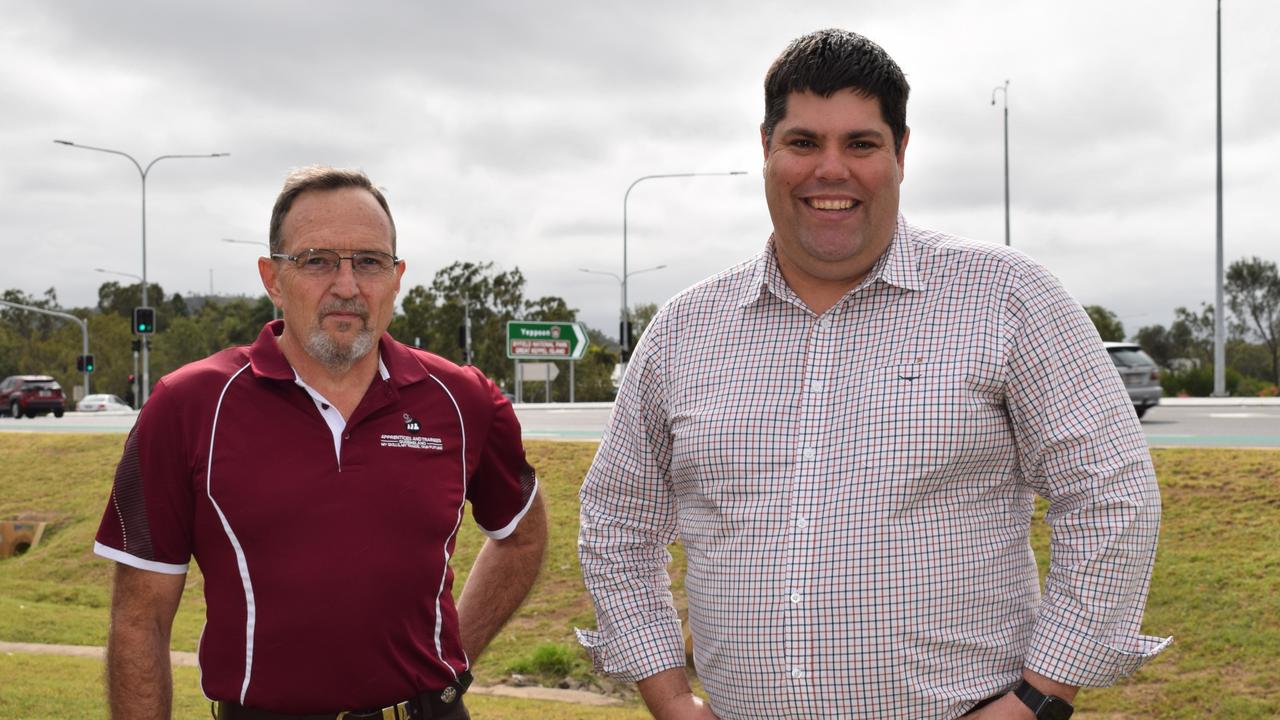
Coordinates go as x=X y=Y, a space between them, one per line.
x=827 y=61
x=319 y=177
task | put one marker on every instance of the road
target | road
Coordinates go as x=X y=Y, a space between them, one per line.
x=1178 y=423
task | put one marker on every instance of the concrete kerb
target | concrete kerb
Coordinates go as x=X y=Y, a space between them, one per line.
x=188 y=659
x=1220 y=401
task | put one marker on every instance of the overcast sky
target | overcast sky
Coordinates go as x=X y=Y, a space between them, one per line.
x=509 y=132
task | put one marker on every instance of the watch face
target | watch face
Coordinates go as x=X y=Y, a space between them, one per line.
x=1055 y=709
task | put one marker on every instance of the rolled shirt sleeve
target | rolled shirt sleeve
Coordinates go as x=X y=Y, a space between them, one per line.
x=1082 y=448
x=627 y=520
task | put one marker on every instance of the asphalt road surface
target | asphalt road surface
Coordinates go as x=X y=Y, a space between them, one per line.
x=1170 y=425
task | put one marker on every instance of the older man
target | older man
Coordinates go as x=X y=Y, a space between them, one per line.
x=847 y=433
x=318 y=477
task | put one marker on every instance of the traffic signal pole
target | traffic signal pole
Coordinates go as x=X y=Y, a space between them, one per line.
x=84 y=330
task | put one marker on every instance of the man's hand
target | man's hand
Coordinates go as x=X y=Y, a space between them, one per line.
x=139 y=678
x=668 y=697
x=500 y=579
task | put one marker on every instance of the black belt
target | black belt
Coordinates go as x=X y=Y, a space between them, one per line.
x=423 y=706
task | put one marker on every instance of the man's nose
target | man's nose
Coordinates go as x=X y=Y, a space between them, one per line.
x=832 y=165
x=344 y=279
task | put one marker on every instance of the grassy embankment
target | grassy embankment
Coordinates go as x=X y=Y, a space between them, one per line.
x=1216 y=589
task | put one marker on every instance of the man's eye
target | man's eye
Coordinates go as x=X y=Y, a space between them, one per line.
x=802 y=143
x=369 y=262
x=314 y=261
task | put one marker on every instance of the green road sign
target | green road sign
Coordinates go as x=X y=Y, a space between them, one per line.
x=530 y=340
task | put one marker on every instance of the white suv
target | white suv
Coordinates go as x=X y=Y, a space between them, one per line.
x=1140 y=375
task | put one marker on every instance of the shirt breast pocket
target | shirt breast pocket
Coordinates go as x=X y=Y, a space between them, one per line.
x=922 y=421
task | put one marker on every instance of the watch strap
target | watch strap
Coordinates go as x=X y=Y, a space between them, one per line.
x=1045 y=707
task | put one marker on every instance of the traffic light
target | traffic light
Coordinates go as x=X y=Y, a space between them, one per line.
x=144 y=320
x=84 y=363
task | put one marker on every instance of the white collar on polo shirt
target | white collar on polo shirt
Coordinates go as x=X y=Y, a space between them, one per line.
x=337 y=423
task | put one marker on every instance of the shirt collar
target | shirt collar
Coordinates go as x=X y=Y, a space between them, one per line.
x=898 y=266
x=396 y=363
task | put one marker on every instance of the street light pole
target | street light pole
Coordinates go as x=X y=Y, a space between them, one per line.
x=1005 y=89
x=137 y=345
x=624 y=329
x=1219 y=314
x=275 y=311
x=142 y=173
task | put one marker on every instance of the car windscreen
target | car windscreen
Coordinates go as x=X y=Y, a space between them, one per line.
x=1130 y=357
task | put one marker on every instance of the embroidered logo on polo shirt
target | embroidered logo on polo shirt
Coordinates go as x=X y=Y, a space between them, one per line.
x=412 y=442
x=410 y=424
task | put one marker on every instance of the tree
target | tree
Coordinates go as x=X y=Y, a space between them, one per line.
x=433 y=315
x=1108 y=325
x=1253 y=290
x=641 y=316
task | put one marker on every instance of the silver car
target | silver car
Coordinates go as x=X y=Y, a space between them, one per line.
x=1140 y=374
x=102 y=403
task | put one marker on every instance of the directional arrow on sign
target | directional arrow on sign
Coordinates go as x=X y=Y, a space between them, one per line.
x=534 y=340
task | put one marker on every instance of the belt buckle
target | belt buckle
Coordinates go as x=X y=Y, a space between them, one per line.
x=399 y=711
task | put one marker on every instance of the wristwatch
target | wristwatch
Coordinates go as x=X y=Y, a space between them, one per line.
x=1046 y=707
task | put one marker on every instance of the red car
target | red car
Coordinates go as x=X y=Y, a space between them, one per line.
x=31 y=395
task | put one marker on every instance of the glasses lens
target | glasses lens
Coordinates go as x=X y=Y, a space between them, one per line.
x=371 y=262
x=318 y=262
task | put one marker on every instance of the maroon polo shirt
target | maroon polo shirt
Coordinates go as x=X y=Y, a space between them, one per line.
x=327 y=579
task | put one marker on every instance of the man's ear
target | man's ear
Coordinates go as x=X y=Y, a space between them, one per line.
x=269 y=271
x=902 y=154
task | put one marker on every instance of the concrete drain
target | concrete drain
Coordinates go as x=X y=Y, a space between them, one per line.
x=19 y=536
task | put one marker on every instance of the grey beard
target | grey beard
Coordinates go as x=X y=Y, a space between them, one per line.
x=339 y=358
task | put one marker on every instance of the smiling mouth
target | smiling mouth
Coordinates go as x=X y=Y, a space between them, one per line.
x=832 y=203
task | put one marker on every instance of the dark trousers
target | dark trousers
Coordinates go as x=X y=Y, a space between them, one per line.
x=415 y=711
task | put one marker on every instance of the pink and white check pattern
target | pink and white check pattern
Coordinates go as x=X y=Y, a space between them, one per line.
x=853 y=491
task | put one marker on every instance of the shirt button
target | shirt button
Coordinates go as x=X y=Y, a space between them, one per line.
x=795 y=598
x=816 y=386
x=802 y=523
x=797 y=673
x=808 y=453
x=824 y=323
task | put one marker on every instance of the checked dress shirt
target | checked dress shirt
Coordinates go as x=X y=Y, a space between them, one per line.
x=854 y=491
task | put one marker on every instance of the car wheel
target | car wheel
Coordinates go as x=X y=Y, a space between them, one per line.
x=31 y=414
x=57 y=413
x=1141 y=411
x=15 y=410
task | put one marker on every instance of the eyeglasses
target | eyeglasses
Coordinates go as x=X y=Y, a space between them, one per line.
x=321 y=263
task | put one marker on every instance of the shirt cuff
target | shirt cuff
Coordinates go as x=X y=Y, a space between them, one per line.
x=1068 y=657
x=641 y=653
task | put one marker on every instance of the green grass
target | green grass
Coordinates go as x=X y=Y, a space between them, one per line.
x=1216 y=587
x=29 y=684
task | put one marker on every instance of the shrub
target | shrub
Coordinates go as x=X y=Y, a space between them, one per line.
x=551 y=661
x=1196 y=381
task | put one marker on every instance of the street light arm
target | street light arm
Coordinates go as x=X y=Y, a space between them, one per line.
x=999 y=88
x=168 y=157
x=141 y=172
x=601 y=272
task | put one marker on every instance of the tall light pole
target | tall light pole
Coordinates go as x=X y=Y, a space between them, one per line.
x=624 y=327
x=1005 y=89
x=137 y=344
x=142 y=173
x=275 y=311
x=1219 y=315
